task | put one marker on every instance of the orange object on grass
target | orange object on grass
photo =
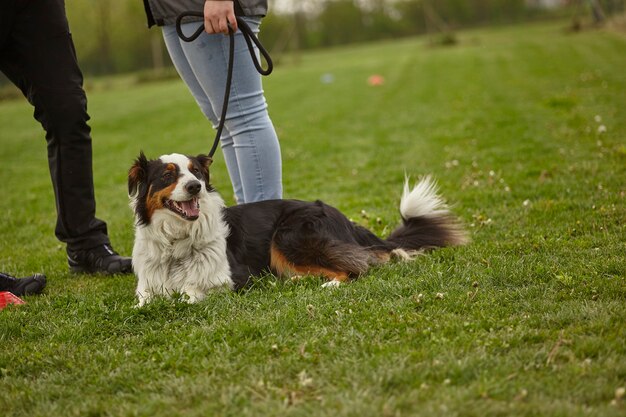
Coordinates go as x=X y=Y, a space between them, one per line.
x=7 y=298
x=375 y=80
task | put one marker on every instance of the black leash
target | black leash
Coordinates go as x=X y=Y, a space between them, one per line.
x=250 y=38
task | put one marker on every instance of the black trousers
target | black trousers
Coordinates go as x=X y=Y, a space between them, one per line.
x=37 y=54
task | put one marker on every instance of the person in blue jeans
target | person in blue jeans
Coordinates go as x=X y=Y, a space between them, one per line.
x=249 y=142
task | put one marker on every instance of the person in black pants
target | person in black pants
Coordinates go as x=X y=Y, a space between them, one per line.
x=22 y=286
x=37 y=54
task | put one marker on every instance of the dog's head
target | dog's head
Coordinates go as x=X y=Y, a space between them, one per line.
x=172 y=184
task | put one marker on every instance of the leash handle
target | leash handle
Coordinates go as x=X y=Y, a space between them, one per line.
x=179 y=22
x=250 y=38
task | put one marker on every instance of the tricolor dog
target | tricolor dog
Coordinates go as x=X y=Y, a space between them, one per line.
x=187 y=242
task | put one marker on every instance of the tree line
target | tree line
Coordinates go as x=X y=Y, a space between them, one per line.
x=111 y=36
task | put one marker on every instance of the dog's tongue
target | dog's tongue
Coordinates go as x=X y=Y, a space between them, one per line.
x=190 y=207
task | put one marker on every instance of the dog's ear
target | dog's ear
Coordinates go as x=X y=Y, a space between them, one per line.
x=137 y=174
x=205 y=162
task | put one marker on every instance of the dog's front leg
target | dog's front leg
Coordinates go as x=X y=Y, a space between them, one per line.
x=143 y=297
x=151 y=281
x=205 y=270
x=143 y=293
x=193 y=295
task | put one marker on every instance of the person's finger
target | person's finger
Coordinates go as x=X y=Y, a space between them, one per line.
x=233 y=21
x=208 y=26
x=223 y=25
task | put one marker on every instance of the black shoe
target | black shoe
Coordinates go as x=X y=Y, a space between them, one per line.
x=22 y=286
x=101 y=259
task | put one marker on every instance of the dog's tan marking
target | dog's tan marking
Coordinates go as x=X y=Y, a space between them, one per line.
x=155 y=201
x=382 y=256
x=285 y=268
x=135 y=173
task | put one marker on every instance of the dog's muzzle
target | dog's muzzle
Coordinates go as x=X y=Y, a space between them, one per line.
x=188 y=210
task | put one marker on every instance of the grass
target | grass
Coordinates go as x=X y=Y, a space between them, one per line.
x=524 y=128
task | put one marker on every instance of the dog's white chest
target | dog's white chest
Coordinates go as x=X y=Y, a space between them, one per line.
x=190 y=260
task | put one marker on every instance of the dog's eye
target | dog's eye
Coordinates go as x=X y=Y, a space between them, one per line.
x=167 y=176
x=195 y=171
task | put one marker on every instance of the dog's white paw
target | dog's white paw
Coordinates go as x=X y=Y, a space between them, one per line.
x=331 y=284
x=193 y=296
x=142 y=300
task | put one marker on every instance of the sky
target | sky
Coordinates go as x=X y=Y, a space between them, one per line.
x=281 y=5
x=289 y=5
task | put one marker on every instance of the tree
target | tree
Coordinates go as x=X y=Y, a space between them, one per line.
x=597 y=12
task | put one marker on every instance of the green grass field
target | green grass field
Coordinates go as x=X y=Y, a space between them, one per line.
x=525 y=130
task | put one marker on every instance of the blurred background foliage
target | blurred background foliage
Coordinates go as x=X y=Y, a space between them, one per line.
x=112 y=37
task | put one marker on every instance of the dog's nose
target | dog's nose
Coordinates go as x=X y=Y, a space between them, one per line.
x=193 y=187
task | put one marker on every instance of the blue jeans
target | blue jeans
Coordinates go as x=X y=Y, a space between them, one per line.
x=249 y=141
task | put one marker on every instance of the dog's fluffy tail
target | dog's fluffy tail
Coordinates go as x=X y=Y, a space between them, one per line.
x=426 y=221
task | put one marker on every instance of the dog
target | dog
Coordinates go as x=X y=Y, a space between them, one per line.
x=188 y=243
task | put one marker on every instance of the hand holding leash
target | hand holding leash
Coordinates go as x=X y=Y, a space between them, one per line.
x=219 y=16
